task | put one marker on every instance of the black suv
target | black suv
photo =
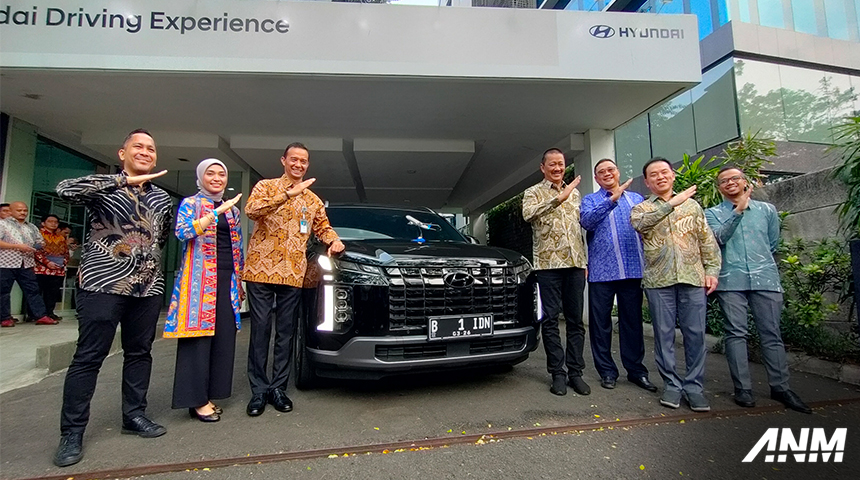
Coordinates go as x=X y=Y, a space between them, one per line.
x=410 y=293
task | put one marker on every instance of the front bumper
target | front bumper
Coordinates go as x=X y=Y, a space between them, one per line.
x=376 y=357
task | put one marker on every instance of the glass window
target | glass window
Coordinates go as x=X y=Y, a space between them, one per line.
x=803 y=12
x=662 y=6
x=593 y=5
x=714 y=107
x=670 y=6
x=812 y=100
x=857 y=12
x=702 y=10
x=837 y=23
x=759 y=99
x=744 y=10
x=632 y=146
x=855 y=85
x=672 y=132
x=723 y=11
x=362 y=223
x=770 y=13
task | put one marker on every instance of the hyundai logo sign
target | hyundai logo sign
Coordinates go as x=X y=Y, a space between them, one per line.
x=601 y=31
x=459 y=280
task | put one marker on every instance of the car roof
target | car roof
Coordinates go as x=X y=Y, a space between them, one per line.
x=370 y=206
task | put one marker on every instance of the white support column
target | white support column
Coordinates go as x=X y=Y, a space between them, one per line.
x=598 y=144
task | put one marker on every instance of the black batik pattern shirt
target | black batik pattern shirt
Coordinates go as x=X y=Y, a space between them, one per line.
x=129 y=225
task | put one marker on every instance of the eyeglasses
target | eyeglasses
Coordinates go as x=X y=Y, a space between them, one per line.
x=735 y=179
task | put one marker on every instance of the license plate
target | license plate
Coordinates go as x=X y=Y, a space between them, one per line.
x=459 y=326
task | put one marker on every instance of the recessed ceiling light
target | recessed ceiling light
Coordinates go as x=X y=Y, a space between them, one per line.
x=230 y=189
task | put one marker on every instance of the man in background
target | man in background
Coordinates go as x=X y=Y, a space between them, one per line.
x=51 y=262
x=19 y=241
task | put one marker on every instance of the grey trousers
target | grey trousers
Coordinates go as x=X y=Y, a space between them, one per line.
x=766 y=308
x=687 y=304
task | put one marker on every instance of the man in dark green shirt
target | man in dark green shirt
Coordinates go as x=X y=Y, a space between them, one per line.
x=748 y=234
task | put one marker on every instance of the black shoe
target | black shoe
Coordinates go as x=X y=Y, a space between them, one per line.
x=607 y=382
x=744 y=398
x=142 y=427
x=559 y=385
x=218 y=410
x=70 y=450
x=212 y=417
x=257 y=405
x=279 y=399
x=790 y=400
x=643 y=382
x=579 y=385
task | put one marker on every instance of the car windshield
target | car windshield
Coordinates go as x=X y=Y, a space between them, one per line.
x=353 y=223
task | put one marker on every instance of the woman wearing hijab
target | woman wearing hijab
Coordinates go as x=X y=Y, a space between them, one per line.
x=204 y=307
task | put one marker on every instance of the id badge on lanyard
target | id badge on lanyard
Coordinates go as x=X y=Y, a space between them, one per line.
x=303 y=224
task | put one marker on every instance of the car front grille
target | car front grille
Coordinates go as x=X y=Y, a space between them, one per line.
x=421 y=351
x=419 y=292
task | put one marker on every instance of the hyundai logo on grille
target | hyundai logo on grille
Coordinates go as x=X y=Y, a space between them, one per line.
x=601 y=31
x=459 y=280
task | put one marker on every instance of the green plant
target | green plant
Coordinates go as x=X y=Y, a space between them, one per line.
x=810 y=271
x=703 y=174
x=847 y=143
x=751 y=153
x=715 y=320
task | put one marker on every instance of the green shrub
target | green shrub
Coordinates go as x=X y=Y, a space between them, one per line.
x=847 y=135
x=817 y=279
x=810 y=271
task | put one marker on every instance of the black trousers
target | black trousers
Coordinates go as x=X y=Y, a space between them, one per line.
x=204 y=365
x=98 y=316
x=561 y=291
x=52 y=291
x=630 y=338
x=283 y=300
x=26 y=279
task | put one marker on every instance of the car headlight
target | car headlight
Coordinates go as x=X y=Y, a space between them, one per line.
x=342 y=270
x=522 y=270
x=337 y=311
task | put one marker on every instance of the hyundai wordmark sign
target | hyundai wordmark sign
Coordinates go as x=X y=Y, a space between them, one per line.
x=345 y=38
x=606 y=31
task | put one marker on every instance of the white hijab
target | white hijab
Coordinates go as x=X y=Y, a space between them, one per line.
x=201 y=170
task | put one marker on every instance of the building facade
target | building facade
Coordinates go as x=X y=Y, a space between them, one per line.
x=787 y=69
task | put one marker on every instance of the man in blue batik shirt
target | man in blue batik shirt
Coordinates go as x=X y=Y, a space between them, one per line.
x=615 y=264
x=748 y=234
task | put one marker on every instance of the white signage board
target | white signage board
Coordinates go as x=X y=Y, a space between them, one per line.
x=347 y=39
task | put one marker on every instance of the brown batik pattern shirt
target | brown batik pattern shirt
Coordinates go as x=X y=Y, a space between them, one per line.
x=276 y=250
x=557 y=236
x=679 y=245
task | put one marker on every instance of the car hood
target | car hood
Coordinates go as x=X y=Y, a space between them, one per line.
x=392 y=253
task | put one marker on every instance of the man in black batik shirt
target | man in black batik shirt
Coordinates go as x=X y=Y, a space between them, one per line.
x=120 y=283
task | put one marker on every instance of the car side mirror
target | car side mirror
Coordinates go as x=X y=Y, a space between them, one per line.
x=473 y=240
